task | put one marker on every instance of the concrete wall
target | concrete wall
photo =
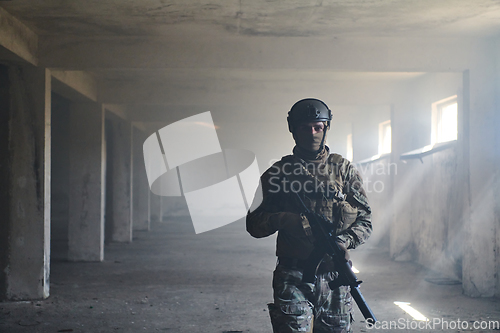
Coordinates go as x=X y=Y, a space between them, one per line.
x=77 y=172
x=86 y=190
x=365 y=130
x=444 y=213
x=435 y=213
x=378 y=182
x=420 y=204
x=427 y=225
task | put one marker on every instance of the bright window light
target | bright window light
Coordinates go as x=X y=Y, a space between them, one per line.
x=350 y=151
x=444 y=120
x=384 y=137
x=405 y=306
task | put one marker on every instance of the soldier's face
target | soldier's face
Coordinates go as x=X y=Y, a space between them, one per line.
x=309 y=135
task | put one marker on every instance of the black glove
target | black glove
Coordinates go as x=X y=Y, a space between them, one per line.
x=295 y=225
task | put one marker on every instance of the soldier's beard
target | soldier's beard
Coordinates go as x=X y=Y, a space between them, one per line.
x=308 y=141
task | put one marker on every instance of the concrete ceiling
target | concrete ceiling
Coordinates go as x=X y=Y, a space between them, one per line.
x=154 y=53
x=260 y=17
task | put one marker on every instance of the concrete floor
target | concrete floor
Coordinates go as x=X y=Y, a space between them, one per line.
x=172 y=280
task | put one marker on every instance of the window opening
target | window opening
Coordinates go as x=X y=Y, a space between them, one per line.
x=444 y=120
x=384 y=137
x=350 y=151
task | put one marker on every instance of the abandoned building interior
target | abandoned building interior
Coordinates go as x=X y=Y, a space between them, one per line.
x=85 y=246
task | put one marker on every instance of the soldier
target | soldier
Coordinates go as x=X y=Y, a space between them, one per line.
x=329 y=185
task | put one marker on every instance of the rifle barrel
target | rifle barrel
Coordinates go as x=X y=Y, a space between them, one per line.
x=362 y=305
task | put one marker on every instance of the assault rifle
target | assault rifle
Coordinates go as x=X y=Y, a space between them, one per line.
x=324 y=234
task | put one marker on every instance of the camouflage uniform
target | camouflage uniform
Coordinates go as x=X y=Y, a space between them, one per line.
x=332 y=187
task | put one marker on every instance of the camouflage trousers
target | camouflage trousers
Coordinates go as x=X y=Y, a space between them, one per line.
x=308 y=307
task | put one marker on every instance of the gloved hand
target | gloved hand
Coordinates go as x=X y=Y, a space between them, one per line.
x=292 y=224
x=295 y=243
x=344 y=248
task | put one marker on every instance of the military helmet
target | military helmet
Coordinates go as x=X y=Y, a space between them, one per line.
x=308 y=110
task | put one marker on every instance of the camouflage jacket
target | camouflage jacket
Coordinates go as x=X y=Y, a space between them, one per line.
x=333 y=189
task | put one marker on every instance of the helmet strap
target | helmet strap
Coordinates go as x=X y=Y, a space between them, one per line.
x=322 y=144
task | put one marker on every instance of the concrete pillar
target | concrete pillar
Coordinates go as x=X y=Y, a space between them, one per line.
x=154 y=207
x=140 y=186
x=86 y=179
x=119 y=183
x=497 y=153
x=479 y=262
x=25 y=182
x=163 y=209
x=60 y=186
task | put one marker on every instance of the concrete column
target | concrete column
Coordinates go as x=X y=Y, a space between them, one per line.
x=140 y=186
x=86 y=178
x=119 y=170
x=163 y=209
x=25 y=182
x=497 y=153
x=479 y=262
x=154 y=207
x=59 y=187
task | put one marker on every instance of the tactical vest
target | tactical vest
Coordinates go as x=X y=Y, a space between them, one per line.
x=323 y=193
